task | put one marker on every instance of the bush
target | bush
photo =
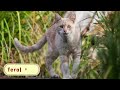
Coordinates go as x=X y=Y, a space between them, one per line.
x=110 y=53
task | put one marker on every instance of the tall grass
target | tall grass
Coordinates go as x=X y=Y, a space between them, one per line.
x=28 y=29
x=108 y=51
x=110 y=54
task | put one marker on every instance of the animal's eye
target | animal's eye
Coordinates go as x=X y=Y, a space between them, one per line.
x=68 y=26
x=61 y=26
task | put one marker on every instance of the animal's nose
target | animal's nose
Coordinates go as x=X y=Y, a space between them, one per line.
x=64 y=31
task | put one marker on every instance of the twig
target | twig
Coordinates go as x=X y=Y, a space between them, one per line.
x=83 y=33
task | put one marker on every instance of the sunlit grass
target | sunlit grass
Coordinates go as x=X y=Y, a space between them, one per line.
x=8 y=52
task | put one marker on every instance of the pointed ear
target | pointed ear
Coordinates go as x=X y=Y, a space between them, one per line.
x=72 y=16
x=57 y=17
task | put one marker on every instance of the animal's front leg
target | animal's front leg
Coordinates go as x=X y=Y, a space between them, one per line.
x=76 y=63
x=50 y=58
x=65 y=67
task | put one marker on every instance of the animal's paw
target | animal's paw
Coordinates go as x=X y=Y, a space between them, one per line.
x=67 y=77
x=55 y=76
x=74 y=76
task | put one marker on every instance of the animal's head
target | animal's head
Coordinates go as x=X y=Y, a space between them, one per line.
x=67 y=25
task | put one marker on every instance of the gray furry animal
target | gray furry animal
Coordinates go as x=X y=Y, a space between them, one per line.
x=64 y=39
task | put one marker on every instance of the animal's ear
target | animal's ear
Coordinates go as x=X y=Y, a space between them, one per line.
x=57 y=17
x=72 y=16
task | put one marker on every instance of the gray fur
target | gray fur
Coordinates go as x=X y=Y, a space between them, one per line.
x=62 y=41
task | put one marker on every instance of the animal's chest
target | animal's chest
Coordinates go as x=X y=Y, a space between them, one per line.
x=64 y=46
x=66 y=49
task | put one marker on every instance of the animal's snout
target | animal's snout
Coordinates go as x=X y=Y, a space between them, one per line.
x=65 y=32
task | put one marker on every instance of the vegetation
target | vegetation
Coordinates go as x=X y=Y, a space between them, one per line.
x=29 y=26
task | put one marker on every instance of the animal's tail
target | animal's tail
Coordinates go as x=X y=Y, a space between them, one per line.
x=32 y=48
